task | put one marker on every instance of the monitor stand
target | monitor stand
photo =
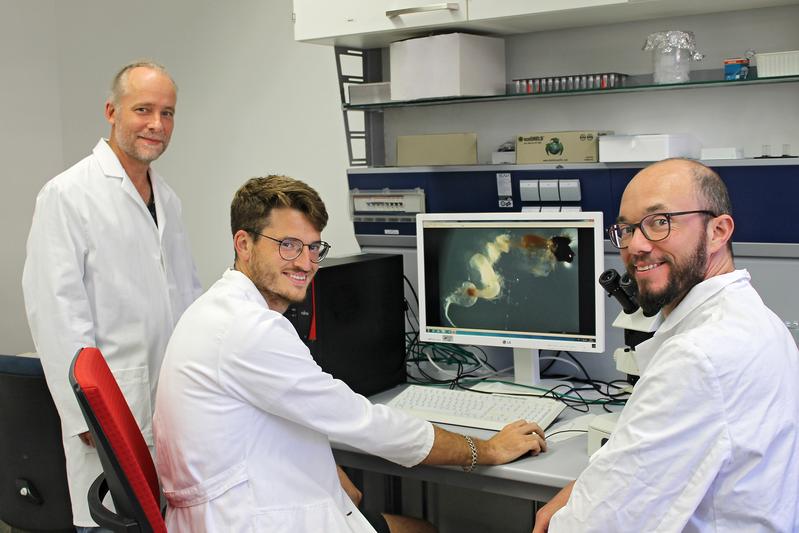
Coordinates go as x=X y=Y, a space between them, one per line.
x=526 y=367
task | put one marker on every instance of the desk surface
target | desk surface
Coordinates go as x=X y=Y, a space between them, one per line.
x=531 y=478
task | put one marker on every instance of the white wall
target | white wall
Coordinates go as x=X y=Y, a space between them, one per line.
x=251 y=101
x=742 y=116
x=30 y=144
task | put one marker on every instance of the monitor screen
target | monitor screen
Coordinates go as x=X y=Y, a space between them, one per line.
x=519 y=280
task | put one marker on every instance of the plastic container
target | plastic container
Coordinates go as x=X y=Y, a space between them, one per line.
x=777 y=64
x=672 y=52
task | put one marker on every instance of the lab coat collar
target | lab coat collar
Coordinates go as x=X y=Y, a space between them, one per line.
x=112 y=168
x=697 y=296
x=240 y=281
x=109 y=162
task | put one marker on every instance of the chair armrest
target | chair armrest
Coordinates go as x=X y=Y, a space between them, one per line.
x=106 y=517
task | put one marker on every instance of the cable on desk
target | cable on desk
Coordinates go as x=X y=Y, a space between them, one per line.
x=565 y=431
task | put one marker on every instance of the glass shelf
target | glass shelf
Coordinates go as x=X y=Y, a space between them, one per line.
x=701 y=79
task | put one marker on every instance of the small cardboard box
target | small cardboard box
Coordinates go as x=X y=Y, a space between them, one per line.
x=454 y=64
x=558 y=147
x=437 y=149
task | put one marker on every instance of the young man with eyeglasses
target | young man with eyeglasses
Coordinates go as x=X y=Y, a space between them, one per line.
x=243 y=413
x=709 y=440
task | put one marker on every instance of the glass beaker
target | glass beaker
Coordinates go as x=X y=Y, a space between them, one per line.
x=672 y=52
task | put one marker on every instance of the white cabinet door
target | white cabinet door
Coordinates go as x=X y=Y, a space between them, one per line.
x=488 y=9
x=324 y=19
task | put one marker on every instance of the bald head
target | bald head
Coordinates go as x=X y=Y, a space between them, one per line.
x=685 y=177
x=679 y=213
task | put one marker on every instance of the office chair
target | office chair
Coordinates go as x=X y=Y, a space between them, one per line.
x=34 y=494
x=128 y=469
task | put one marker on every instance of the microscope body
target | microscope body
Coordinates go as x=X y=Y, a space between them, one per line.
x=637 y=328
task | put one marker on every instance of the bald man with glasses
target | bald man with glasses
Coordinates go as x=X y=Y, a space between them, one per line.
x=709 y=439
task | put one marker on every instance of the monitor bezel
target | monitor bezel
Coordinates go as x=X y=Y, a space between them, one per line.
x=594 y=219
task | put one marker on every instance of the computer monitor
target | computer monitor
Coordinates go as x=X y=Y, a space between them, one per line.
x=526 y=281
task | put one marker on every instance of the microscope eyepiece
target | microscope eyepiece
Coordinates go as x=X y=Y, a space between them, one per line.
x=611 y=281
x=629 y=286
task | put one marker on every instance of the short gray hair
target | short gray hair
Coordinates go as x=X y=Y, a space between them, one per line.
x=120 y=82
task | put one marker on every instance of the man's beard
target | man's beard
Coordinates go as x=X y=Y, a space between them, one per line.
x=682 y=278
x=126 y=140
x=267 y=278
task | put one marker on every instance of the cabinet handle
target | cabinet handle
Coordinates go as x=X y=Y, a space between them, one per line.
x=448 y=6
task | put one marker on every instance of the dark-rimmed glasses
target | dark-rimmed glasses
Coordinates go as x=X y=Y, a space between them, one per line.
x=290 y=248
x=654 y=227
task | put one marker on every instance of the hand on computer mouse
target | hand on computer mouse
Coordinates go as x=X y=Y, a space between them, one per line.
x=514 y=440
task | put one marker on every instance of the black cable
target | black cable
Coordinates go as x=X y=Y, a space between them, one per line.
x=410 y=286
x=554 y=360
x=579 y=364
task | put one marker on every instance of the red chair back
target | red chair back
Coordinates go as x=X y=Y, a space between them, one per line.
x=128 y=468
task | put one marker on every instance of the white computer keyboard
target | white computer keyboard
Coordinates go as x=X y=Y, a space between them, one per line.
x=475 y=409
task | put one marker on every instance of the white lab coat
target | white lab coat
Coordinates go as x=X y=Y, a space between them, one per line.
x=709 y=441
x=242 y=420
x=100 y=273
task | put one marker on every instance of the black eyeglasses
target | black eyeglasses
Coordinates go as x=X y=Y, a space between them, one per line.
x=654 y=227
x=291 y=248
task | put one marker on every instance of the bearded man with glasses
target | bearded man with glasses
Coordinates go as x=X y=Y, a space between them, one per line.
x=709 y=439
x=244 y=415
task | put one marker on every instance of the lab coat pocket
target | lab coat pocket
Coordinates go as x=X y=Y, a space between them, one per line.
x=135 y=386
x=319 y=516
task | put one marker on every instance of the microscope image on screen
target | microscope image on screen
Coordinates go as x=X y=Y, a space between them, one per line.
x=506 y=279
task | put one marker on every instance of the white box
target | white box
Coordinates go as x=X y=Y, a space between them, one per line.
x=499 y=158
x=727 y=152
x=454 y=64
x=370 y=93
x=777 y=64
x=623 y=148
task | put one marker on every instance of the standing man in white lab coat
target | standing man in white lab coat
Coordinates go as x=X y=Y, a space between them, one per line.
x=243 y=413
x=109 y=265
x=709 y=439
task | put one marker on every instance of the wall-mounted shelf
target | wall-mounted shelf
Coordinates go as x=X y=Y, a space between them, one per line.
x=702 y=79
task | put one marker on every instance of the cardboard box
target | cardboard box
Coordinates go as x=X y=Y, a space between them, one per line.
x=454 y=64
x=558 y=147
x=437 y=149
x=654 y=147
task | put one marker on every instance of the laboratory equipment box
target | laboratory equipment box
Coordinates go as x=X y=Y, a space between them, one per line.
x=437 y=149
x=653 y=147
x=454 y=64
x=558 y=147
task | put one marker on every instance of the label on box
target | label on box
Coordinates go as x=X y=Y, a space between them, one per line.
x=503 y=184
x=558 y=147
